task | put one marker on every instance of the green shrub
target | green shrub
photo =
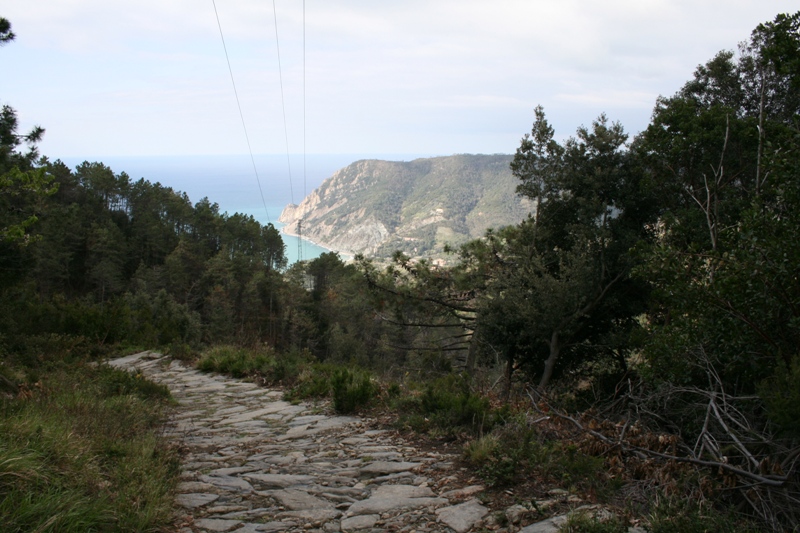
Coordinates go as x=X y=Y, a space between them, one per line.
x=781 y=394
x=313 y=381
x=481 y=450
x=448 y=405
x=113 y=382
x=352 y=389
x=289 y=365
x=585 y=523
x=515 y=451
x=671 y=516
x=238 y=362
x=503 y=465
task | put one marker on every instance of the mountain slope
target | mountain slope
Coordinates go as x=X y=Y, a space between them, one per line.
x=376 y=207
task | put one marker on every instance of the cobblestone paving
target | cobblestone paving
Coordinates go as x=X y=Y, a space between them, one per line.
x=256 y=463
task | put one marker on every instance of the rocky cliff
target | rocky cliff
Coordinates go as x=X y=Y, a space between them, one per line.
x=376 y=207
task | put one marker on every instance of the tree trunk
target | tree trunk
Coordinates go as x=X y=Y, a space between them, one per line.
x=550 y=364
x=472 y=353
x=509 y=374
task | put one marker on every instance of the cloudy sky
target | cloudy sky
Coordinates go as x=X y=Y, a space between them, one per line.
x=149 y=77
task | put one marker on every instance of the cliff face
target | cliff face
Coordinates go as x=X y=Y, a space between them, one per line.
x=376 y=207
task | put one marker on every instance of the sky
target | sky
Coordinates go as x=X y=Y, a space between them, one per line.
x=435 y=77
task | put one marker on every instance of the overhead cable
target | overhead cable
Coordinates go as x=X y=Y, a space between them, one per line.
x=241 y=115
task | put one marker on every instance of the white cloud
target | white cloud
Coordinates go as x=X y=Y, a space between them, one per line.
x=414 y=76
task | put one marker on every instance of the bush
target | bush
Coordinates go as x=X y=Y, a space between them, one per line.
x=515 y=451
x=585 y=523
x=448 y=405
x=781 y=394
x=352 y=389
x=670 y=516
x=238 y=362
x=313 y=381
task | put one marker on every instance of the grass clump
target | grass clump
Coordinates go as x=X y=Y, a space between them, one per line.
x=81 y=451
x=448 y=407
x=586 y=523
x=681 y=516
x=261 y=363
x=352 y=389
x=238 y=362
x=349 y=388
x=516 y=452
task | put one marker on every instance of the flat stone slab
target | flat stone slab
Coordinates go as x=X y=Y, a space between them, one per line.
x=232 y=470
x=379 y=468
x=313 y=515
x=383 y=505
x=216 y=524
x=359 y=522
x=298 y=500
x=466 y=492
x=550 y=525
x=402 y=491
x=194 y=500
x=194 y=486
x=228 y=483
x=274 y=527
x=279 y=481
x=462 y=517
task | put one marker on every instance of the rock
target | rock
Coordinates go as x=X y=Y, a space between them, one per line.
x=275 y=527
x=232 y=470
x=544 y=505
x=462 y=517
x=550 y=525
x=359 y=522
x=516 y=513
x=194 y=500
x=228 y=483
x=401 y=491
x=382 y=505
x=194 y=486
x=216 y=524
x=279 y=481
x=466 y=492
x=387 y=467
x=314 y=515
x=298 y=500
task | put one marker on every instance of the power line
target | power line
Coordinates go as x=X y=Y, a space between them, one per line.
x=304 y=99
x=283 y=100
x=241 y=115
x=300 y=222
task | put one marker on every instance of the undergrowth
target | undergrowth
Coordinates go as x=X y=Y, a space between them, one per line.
x=350 y=388
x=502 y=444
x=447 y=407
x=81 y=450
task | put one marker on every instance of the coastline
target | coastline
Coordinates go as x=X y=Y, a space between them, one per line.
x=345 y=256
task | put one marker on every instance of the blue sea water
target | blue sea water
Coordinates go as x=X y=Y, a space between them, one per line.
x=231 y=182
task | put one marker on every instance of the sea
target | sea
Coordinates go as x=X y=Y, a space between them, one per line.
x=260 y=186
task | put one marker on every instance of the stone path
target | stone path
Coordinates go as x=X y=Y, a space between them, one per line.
x=255 y=463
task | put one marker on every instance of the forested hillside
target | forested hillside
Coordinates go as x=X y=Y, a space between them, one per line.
x=420 y=207
x=634 y=340
x=89 y=252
